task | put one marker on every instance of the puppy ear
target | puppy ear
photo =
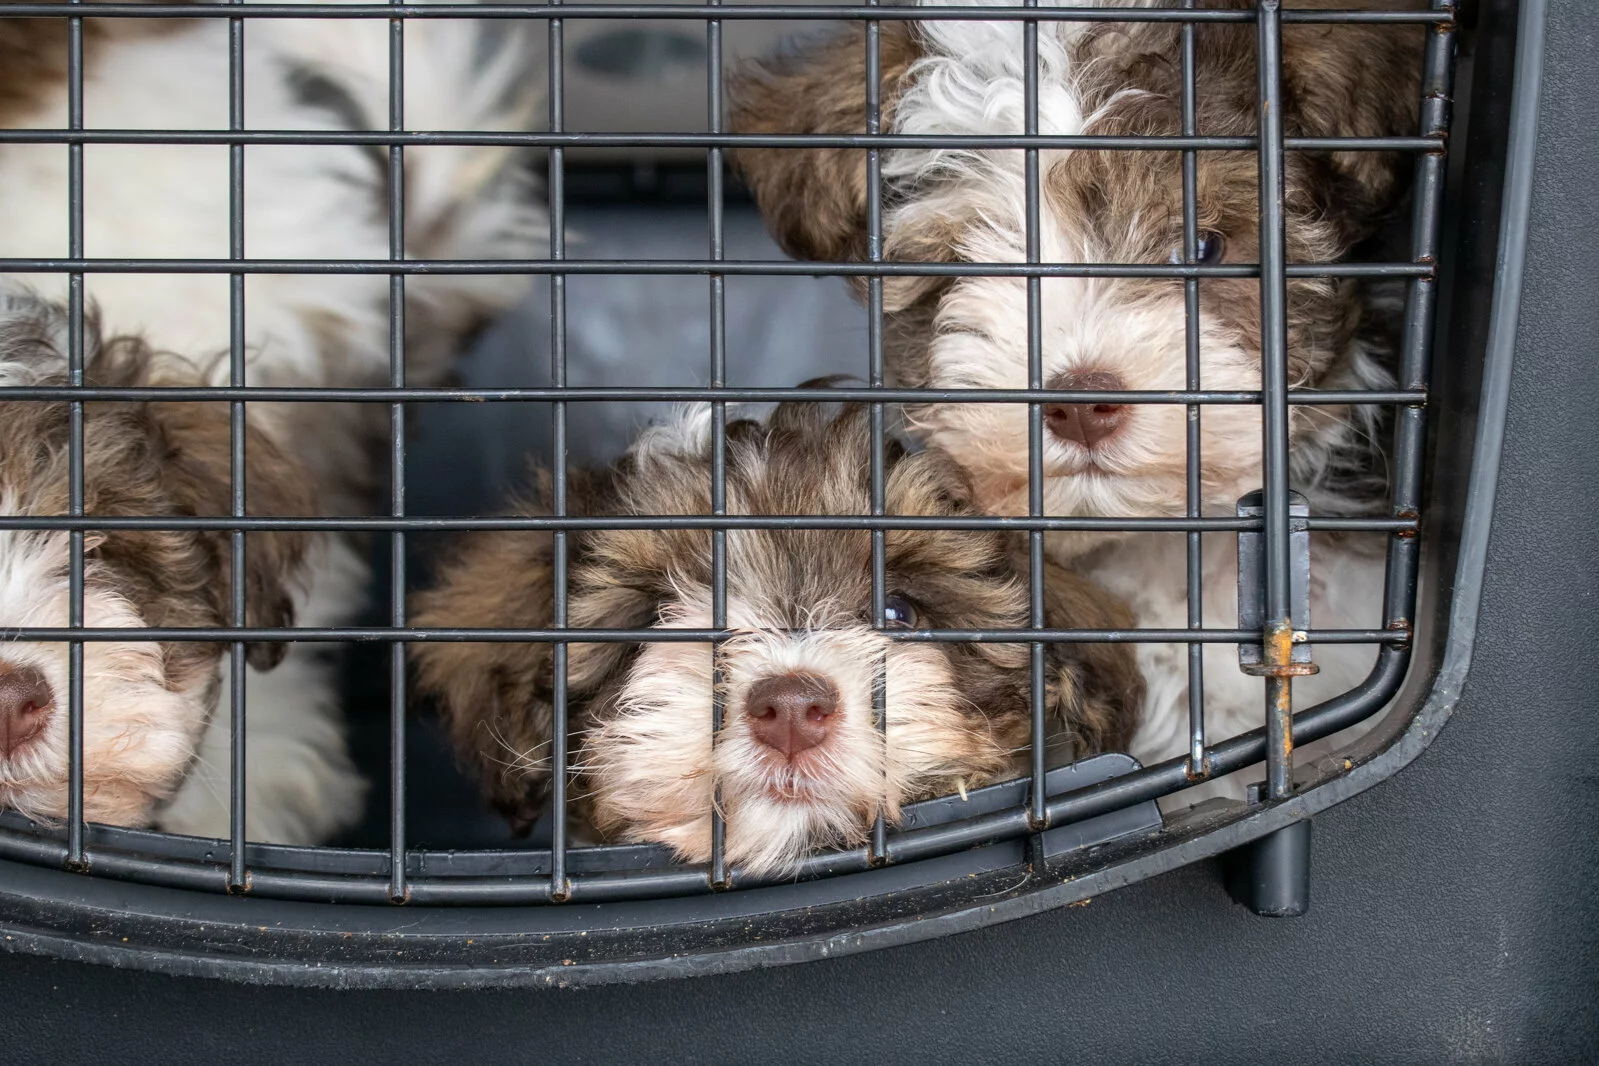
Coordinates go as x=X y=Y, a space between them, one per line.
x=196 y=471
x=926 y=230
x=814 y=199
x=1095 y=691
x=1355 y=81
x=495 y=698
x=930 y=482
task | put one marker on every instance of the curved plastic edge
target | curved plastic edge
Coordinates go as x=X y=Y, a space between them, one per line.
x=1418 y=735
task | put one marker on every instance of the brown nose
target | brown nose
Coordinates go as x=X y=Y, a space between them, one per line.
x=25 y=700
x=1087 y=424
x=790 y=713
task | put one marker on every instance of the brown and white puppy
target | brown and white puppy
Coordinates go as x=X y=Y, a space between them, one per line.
x=145 y=704
x=965 y=205
x=800 y=761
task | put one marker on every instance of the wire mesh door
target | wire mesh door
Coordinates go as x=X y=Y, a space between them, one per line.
x=1276 y=529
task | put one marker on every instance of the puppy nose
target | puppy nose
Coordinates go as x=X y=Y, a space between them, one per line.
x=1086 y=424
x=790 y=713
x=25 y=700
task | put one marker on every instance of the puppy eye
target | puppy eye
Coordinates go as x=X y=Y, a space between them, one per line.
x=1212 y=246
x=899 y=612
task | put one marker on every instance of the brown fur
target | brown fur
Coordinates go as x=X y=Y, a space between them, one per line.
x=814 y=200
x=157 y=459
x=1356 y=80
x=33 y=53
x=803 y=460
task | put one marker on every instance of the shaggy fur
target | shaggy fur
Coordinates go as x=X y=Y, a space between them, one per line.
x=646 y=765
x=946 y=205
x=301 y=202
x=144 y=704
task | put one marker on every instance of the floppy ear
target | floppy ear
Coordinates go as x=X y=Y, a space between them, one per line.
x=495 y=698
x=814 y=199
x=1355 y=81
x=1096 y=691
x=196 y=472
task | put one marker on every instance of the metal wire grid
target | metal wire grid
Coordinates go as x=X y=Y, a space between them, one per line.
x=592 y=874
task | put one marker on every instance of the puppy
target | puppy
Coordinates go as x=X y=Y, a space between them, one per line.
x=800 y=762
x=316 y=202
x=145 y=705
x=300 y=202
x=1109 y=459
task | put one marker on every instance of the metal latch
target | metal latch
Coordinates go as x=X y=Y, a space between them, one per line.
x=1252 y=581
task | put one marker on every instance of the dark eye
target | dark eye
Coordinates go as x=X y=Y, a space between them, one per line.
x=899 y=612
x=1212 y=246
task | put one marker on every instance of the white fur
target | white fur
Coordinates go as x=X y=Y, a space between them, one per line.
x=687 y=431
x=137 y=732
x=1150 y=572
x=299 y=782
x=971 y=81
x=301 y=202
x=656 y=756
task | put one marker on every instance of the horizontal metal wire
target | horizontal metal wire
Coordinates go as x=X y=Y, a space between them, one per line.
x=694 y=394
x=309 y=875
x=445 y=634
x=1149 y=783
x=1140 y=143
x=664 y=523
x=702 y=12
x=401 y=866
x=630 y=267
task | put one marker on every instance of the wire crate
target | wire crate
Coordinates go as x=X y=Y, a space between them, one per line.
x=402 y=915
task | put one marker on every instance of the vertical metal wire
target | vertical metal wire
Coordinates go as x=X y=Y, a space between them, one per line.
x=1196 y=594
x=1409 y=430
x=1415 y=359
x=238 y=875
x=75 y=856
x=718 y=296
x=1278 y=630
x=1038 y=811
x=559 y=888
x=874 y=377
x=398 y=889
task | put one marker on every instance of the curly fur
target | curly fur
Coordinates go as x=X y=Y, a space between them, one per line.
x=144 y=704
x=300 y=202
x=964 y=205
x=646 y=765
